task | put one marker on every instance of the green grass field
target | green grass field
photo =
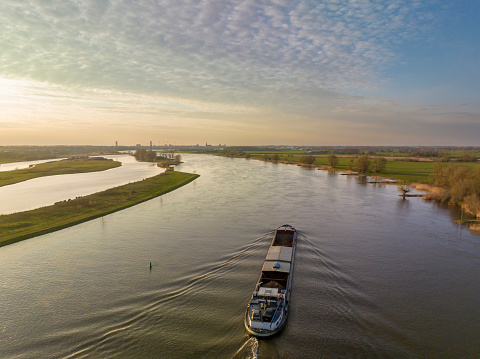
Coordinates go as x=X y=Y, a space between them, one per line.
x=18 y=226
x=56 y=168
x=410 y=172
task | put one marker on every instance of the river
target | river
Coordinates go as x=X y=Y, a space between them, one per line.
x=45 y=191
x=375 y=276
x=22 y=165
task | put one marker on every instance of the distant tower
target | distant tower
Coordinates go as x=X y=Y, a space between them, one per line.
x=116 y=145
x=151 y=145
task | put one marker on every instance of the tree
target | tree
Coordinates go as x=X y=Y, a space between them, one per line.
x=379 y=164
x=309 y=160
x=332 y=160
x=232 y=153
x=140 y=154
x=351 y=163
x=150 y=156
x=445 y=158
x=467 y=157
x=405 y=189
x=363 y=163
x=275 y=157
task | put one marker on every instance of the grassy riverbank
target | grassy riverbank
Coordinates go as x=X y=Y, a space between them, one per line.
x=56 y=168
x=18 y=226
x=407 y=171
x=10 y=154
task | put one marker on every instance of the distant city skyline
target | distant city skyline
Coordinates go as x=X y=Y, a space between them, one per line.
x=282 y=72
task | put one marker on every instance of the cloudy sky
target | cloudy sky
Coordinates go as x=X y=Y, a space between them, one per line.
x=315 y=72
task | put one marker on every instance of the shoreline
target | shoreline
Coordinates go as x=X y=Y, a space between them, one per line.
x=19 y=226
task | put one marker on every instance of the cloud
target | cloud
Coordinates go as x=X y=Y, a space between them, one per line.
x=224 y=51
x=83 y=106
x=242 y=66
x=387 y=122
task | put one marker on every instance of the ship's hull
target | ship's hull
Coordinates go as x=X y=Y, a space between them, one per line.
x=267 y=310
x=265 y=333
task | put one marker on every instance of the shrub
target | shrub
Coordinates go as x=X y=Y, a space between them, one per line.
x=444 y=158
x=446 y=175
x=459 y=185
x=308 y=160
x=472 y=204
x=438 y=194
x=462 y=189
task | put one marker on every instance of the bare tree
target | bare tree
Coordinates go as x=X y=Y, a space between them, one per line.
x=405 y=189
x=378 y=164
x=332 y=160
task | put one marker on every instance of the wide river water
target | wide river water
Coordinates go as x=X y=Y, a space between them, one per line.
x=375 y=276
x=45 y=191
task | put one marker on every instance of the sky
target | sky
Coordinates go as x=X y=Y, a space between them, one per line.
x=251 y=72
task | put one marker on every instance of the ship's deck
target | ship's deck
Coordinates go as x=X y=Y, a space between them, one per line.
x=283 y=238
x=264 y=309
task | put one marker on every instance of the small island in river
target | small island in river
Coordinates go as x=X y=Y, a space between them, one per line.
x=60 y=167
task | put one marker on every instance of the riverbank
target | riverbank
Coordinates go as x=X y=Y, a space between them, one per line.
x=23 y=225
x=61 y=167
x=406 y=171
x=9 y=154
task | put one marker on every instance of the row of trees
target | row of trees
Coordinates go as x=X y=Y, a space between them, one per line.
x=233 y=153
x=464 y=157
x=143 y=155
x=443 y=155
x=426 y=152
x=362 y=164
x=365 y=164
x=461 y=185
x=467 y=157
x=169 y=158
